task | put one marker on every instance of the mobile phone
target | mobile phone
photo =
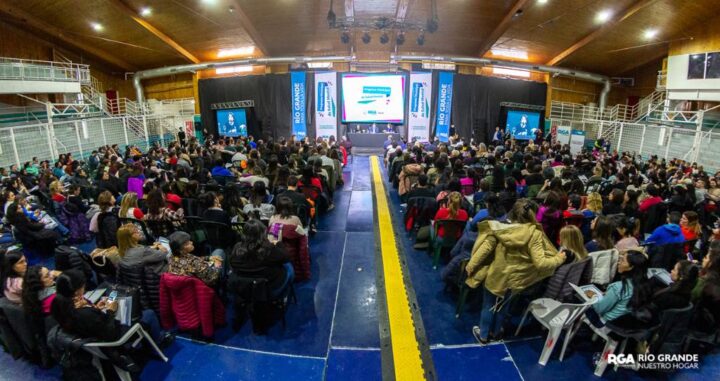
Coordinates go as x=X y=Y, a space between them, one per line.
x=690 y=257
x=112 y=297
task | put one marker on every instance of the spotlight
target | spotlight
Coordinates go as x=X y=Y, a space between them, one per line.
x=366 y=38
x=400 y=38
x=421 y=39
x=432 y=25
x=145 y=11
x=345 y=37
x=384 y=38
x=331 y=18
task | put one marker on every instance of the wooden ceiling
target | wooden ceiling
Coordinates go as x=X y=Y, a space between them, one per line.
x=559 y=32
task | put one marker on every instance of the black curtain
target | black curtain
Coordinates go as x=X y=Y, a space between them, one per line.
x=476 y=102
x=271 y=93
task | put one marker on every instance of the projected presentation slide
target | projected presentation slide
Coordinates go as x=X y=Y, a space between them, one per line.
x=373 y=98
x=232 y=122
x=522 y=124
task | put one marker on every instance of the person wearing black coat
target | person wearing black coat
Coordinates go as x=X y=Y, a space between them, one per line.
x=28 y=231
x=256 y=257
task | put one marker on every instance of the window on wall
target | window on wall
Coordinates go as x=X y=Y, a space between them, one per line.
x=704 y=66
x=696 y=66
x=713 y=65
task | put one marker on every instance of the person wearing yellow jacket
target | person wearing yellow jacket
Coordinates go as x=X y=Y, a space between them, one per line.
x=508 y=258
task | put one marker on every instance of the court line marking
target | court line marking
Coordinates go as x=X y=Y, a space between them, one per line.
x=513 y=361
x=251 y=350
x=337 y=293
x=342 y=348
x=478 y=345
x=407 y=361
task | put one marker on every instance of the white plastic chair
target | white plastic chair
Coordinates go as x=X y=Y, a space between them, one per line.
x=95 y=349
x=556 y=317
x=604 y=266
x=610 y=344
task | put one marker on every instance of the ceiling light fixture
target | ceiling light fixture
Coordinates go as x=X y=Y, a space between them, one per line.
x=345 y=37
x=421 y=39
x=235 y=52
x=209 y=2
x=384 y=38
x=511 y=53
x=96 y=26
x=542 y=1
x=650 y=34
x=400 y=39
x=234 y=69
x=366 y=38
x=511 y=72
x=145 y=11
x=320 y=65
x=603 y=16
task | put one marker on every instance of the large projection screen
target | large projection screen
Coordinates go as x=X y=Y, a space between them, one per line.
x=373 y=98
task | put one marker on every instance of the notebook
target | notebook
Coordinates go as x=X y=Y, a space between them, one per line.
x=660 y=274
x=95 y=295
x=588 y=292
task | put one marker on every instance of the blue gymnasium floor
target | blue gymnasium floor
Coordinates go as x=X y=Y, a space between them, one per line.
x=333 y=331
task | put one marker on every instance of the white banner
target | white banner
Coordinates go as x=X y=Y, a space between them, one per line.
x=326 y=104
x=563 y=135
x=419 y=110
x=577 y=141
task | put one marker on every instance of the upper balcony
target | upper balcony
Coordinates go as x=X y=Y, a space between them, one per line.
x=20 y=76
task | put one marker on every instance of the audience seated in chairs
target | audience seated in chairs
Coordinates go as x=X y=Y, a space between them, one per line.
x=159 y=212
x=260 y=202
x=105 y=223
x=509 y=259
x=129 y=207
x=78 y=316
x=286 y=229
x=255 y=258
x=152 y=258
x=30 y=233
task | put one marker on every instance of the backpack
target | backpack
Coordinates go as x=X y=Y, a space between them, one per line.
x=69 y=257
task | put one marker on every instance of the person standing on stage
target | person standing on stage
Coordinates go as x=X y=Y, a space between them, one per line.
x=181 y=137
x=497 y=136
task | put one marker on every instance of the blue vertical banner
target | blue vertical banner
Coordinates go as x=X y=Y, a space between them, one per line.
x=444 y=105
x=299 y=117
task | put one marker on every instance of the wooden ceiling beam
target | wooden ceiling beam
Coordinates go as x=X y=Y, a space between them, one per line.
x=27 y=20
x=654 y=55
x=120 y=4
x=606 y=27
x=250 y=29
x=501 y=28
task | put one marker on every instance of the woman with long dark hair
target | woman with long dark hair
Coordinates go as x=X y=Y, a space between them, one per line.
x=602 y=232
x=12 y=269
x=630 y=293
x=78 y=316
x=256 y=256
x=259 y=202
x=38 y=291
x=30 y=231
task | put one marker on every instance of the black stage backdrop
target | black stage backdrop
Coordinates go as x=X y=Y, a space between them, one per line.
x=476 y=102
x=271 y=116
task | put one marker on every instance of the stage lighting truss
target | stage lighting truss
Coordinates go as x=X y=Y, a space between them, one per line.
x=385 y=25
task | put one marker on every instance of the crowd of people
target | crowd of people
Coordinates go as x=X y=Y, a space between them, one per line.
x=532 y=209
x=210 y=215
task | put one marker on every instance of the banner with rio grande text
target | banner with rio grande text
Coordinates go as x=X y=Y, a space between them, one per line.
x=444 y=106
x=297 y=92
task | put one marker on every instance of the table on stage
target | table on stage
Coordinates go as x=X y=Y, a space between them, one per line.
x=371 y=140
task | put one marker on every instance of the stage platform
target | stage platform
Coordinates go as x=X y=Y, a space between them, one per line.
x=370 y=140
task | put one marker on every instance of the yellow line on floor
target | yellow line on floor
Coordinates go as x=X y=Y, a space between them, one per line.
x=405 y=347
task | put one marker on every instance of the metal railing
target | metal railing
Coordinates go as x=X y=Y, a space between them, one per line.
x=34 y=70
